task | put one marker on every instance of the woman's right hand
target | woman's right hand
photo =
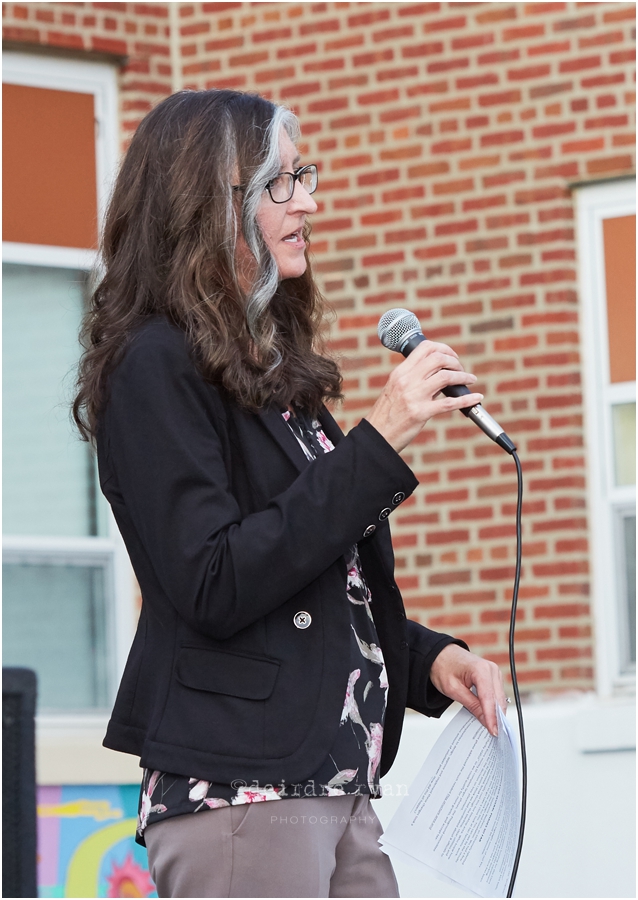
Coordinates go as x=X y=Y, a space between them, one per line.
x=411 y=395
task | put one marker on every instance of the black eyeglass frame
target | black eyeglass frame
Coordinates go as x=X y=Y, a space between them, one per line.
x=295 y=177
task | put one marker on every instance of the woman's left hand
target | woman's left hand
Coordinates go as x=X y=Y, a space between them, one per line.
x=455 y=671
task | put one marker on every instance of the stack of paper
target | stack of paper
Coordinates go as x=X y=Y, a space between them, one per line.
x=461 y=817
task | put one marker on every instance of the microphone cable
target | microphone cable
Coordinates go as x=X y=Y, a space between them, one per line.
x=400 y=330
x=517 y=696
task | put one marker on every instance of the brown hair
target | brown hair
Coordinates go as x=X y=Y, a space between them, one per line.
x=169 y=247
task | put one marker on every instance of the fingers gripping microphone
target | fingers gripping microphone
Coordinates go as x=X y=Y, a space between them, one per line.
x=400 y=330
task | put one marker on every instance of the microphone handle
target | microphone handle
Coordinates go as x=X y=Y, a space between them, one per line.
x=476 y=413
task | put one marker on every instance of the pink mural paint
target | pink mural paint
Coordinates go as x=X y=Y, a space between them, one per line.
x=48 y=837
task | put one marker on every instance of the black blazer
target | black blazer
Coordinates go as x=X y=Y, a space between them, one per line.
x=231 y=532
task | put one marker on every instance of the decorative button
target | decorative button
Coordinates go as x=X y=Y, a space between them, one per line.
x=384 y=513
x=369 y=530
x=399 y=497
x=302 y=619
x=404 y=645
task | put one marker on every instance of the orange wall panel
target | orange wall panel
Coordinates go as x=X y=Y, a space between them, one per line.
x=48 y=168
x=619 y=236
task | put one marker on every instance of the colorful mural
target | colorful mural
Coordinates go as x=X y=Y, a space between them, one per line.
x=86 y=845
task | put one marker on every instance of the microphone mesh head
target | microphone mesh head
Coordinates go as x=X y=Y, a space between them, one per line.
x=396 y=326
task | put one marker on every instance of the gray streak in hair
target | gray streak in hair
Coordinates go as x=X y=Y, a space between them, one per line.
x=267 y=278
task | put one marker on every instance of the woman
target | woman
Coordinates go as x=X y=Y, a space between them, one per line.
x=272 y=660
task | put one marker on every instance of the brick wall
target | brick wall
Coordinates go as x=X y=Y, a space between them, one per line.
x=447 y=136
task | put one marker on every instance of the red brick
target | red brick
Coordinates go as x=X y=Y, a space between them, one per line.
x=499 y=14
x=106 y=45
x=552 y=47
x=419 y=9
x=577 y=65
x=504 y=573
x=352 y=40
x=575 y=631
x=405 y=235
x=495 y=532
x=563 y=653
x=553 y=128
x=484 y=202
x=621 y=56
x=561 y=611
x=534 y=675
x=458 y=577
x=462 y=84
x=447 y=537
x=444 y=24
x=573 y=24
x=472 y=40
x=490 y=181
x=444 y=290
x=580 y=545
x=375 y=97
x=431 y=87
x=573 y=524
x=436 y=251
x=474 y=597
x=603 y=80
x=502 y=137
x=548 y=90
x=287 y=52
x=320 y=26
x=606 y=37
x=540 y=195
x=330 y=104
x=610 y=164
x=497 y=57
x=452 y=187
x=450 y=621
x=502 y=97
x=71 y=41
x=582 y=590
x=158 y=11
x=383 y=259
x=420 y=50
x=526 y=72
x=619 y=15
x=392 y=34
x=456 y=227
x=554 y=484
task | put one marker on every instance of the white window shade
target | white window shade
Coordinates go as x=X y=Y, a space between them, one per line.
x=48 y=477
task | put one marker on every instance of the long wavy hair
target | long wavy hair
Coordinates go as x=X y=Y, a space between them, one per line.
x=170 y=247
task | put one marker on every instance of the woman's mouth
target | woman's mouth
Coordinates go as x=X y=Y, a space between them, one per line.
x=295 y=239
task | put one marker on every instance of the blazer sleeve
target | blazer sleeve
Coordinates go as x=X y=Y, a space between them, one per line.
x=425 y=645
x=161 y=440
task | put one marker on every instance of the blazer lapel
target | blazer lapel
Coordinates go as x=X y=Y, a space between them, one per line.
x=275 y=423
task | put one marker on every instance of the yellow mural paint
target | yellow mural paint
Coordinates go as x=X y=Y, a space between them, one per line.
x=84 y=868
x=100 y=810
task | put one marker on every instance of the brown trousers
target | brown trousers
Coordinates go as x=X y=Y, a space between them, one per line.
x=306 y=847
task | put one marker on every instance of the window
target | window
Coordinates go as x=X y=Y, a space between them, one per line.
x=69 y=610
x=607 y=236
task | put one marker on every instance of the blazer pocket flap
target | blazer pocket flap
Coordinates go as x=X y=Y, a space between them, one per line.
x=249 y=677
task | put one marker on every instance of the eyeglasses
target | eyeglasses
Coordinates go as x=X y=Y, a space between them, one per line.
x=282 y=186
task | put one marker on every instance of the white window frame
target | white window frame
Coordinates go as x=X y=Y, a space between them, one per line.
x=594 y=204
x=99 y=80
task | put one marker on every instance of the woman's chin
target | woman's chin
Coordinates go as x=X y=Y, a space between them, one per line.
x=292 y=271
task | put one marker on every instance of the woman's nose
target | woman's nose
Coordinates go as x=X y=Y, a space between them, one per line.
x=302 y=200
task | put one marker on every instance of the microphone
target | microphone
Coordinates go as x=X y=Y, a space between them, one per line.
x=400 y=330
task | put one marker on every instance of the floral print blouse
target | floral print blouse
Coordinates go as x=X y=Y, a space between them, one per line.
x=352 y=765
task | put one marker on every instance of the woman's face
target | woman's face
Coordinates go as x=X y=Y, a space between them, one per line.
x=280 y=221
